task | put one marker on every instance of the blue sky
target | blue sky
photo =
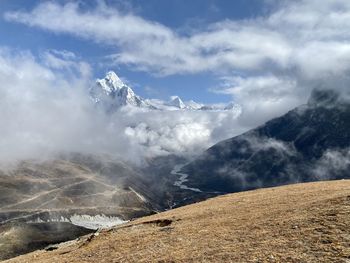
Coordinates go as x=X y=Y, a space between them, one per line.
x=265 y=55
x=180 y=15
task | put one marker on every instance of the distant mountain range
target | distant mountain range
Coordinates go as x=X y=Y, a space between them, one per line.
x=309 y=143
x=112 y=93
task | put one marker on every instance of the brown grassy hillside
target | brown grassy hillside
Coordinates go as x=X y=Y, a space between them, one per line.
x=297 y=223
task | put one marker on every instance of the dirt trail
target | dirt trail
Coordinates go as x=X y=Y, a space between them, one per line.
x=297 y=223
x=57 y=190
x=42 y=194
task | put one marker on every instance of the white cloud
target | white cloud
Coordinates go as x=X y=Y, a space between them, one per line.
x=152 y=46
x=46 y=109
x=300 y=34
x=67 y=62
x=332 y=163
x=184 y=132
x=262 y=97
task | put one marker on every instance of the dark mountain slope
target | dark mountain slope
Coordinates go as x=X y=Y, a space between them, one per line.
x=308 y=143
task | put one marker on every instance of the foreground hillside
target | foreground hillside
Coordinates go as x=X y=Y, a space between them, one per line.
x=296 y=223
x=57 y=200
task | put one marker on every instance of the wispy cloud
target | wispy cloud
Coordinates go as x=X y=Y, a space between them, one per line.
x=269 y=63
x=262 y=97
x=302 y=34
x=331 y=164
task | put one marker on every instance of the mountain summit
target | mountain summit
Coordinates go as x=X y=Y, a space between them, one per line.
x=323 y=97
x=111 y=93
x=111 y=83
x=177 y=102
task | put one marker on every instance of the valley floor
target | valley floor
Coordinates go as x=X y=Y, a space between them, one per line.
x=296 y=223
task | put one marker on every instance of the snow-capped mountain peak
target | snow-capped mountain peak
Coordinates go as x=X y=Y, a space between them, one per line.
x=177 y=102
x=110 y=83
x=111 y=93
x=193 y=105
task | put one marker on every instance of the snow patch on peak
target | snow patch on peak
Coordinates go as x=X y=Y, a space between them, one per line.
x=111 y=93
x=177 y=102
x=110 y=83
x=113 y=77
x=194 y=105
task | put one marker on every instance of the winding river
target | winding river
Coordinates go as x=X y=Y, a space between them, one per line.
x=182 y=179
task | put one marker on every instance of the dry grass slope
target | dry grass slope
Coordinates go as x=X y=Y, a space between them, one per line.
x=297 y=223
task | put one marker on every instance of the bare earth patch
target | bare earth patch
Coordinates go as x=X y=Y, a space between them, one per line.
x=296 y=223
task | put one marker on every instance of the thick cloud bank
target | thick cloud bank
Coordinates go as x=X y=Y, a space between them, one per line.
x=46 y=109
